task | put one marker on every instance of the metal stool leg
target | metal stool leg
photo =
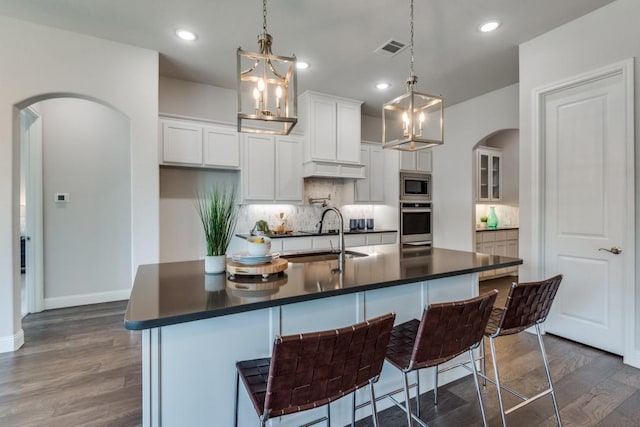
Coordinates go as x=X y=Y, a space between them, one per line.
x=435 y=386
x=329 y=414
x=418 y=393
x=353 y=409
x=374 y=409
x=407 y=400
x=498 y=387
x=546 y=368
x=235 y=413
x=474 y=372
x=483 y=368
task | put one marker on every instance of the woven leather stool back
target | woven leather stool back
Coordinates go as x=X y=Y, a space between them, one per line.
x=527 y=304
x=449 y=329
x=310 y=370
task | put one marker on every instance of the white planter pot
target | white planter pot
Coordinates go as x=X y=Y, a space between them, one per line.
x=215 y=264
x=215 y=282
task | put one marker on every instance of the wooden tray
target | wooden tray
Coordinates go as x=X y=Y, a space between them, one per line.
x=275 y=266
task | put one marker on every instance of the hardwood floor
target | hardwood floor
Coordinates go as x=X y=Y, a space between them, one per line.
x=80 y=367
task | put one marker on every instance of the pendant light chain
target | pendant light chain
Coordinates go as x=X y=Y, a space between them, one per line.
x=264 y=16
x=411 y=20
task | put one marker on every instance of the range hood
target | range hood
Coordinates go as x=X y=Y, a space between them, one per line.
x=331 y=169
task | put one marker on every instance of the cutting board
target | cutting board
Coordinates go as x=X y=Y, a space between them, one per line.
x=275 y=266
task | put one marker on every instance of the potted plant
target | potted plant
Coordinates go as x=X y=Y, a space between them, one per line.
x=483 y=221
x=218 y=213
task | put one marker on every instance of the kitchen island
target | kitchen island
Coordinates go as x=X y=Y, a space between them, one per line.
x=196 y=326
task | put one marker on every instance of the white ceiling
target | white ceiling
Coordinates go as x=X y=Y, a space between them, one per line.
x=338 y=37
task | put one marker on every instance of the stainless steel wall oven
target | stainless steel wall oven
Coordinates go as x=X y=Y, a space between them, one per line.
x=416 y=223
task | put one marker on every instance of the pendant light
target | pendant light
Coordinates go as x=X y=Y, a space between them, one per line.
x=267 y=88
x=412 y=121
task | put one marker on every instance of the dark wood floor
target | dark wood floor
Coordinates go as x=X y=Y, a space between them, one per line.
x=80 y=367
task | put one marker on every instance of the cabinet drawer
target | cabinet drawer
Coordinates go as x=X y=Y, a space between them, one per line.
x=374 y=239
x=487 y=236
x=500 y=235
x=388 y=238
x=512 y=234
x=355 y=240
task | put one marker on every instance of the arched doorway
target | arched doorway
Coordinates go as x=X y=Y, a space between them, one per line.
x=496 y=185
x=77 y=202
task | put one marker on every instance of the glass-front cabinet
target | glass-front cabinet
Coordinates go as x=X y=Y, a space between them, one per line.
x=489 y=174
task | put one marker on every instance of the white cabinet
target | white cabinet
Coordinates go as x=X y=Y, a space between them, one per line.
x=489 y=174
x=272 y=169
x=181 y=143
x=416 y=161
x=368 y=239
x=332 y=135
x=371 y=188
x=190 y=143
x=498 y=242
x=221 y=147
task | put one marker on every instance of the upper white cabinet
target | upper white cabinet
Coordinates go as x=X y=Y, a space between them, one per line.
x=489 y=174
x=416 y=161
x=190 y=143
x=332 y=135
x=221 y=147
x=272 y=169
x=371 y=188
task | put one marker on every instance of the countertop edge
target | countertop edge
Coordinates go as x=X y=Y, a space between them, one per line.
x=206 y=314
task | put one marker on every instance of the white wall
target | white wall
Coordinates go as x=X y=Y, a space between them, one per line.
x=197 y=100
x=181 y=236
x=465 y=124
x=87 y=240
x=38 y=61
x=605 y=36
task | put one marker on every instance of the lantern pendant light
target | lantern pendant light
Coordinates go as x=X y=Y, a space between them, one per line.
x=267 y=88
x=412 y=121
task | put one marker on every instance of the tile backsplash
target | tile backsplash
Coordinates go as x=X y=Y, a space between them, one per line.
x=305 y=217
x=508 y=216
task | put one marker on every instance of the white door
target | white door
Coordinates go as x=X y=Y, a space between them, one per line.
x=586 y=183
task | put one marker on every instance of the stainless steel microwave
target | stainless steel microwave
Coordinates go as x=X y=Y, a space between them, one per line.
x=415 y=187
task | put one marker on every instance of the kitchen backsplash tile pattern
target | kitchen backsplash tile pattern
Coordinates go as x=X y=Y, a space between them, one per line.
x=306 y=217
x=508 y=216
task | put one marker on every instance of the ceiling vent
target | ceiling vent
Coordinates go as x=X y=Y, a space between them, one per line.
x=391 y=48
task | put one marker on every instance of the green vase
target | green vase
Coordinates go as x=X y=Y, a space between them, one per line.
x=492 y=220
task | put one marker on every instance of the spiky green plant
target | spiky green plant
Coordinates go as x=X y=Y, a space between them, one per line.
x=218 y=212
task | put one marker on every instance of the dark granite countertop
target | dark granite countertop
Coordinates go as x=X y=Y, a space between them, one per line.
x=170 y=293
x=498 y=228
x=313 y=233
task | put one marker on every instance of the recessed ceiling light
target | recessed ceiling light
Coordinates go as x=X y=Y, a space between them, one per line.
x=301 y=65
x=186 y=35
x=489 y=26
x=382 y=86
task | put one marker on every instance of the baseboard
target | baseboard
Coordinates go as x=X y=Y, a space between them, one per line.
x=11 y=342
x=85 y=299
x=633 y=359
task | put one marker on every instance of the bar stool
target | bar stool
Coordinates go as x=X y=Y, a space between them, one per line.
x=445 y=331
x=310 y=370
x=527 y=305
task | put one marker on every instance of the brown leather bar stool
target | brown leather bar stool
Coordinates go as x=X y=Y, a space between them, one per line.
x=310 y=370
x=445 y=331
x=527 y=305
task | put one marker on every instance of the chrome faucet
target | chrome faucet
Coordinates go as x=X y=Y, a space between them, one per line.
x=341 y=231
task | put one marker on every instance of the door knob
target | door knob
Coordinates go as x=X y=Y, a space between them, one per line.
x=614 y=250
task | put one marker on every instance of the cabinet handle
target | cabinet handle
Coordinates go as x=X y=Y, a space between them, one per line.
x=614 y=250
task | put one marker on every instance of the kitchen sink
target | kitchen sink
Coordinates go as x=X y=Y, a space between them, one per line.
x=311 y=256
